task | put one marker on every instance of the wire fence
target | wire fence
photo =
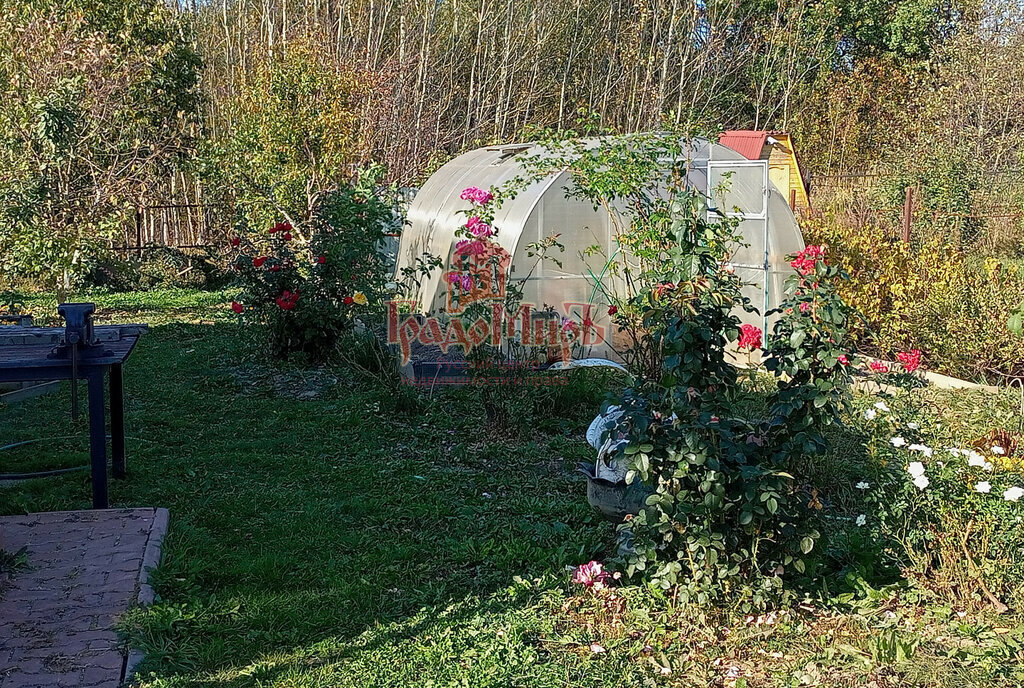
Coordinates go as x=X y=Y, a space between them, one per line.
x=992 y=217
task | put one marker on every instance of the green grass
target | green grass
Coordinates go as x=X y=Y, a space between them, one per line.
x=361 y=536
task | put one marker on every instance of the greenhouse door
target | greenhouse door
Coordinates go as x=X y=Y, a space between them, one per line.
x=739 y=189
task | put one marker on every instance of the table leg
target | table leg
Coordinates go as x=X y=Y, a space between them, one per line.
x=98 y=440
x=117 y=420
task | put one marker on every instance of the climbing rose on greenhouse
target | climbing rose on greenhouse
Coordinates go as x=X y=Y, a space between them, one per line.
x=477 y=195
x=878 y=367
x=750 y=337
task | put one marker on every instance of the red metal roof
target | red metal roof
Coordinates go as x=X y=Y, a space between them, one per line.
x=746 y=142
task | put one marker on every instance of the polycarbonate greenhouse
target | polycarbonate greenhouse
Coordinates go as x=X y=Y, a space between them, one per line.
x=767 y=224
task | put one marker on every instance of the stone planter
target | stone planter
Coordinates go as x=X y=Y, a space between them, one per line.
x=613 y=499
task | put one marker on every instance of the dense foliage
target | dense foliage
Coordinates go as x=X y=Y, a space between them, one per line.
x=295 y=136
x=308 y=287
x=98 y=100
x=931 y=296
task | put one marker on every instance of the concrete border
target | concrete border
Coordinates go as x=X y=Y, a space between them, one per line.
x=146 y=597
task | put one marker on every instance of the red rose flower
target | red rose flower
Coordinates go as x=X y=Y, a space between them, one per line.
x=235 y=241
x=321 y=259
x=750 y=337
x=911 y=360
x=287 y=236
x=258 y=262
x=236 y=307
x=612 y=310
x=843 y=359
x=287 y=300
x=274 y=268
x=349 y=300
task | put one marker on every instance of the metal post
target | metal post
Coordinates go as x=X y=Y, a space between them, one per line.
x=908 y=213
x=138 y=232
x=117 y=420
x=97 y=439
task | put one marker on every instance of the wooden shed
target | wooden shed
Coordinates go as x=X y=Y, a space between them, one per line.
x=777 y=148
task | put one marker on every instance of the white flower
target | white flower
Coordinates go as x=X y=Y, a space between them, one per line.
x=862 y=519
x=898 y=441
x=921 y=481
x=975 y=459
x=983 y=487
x=927 y=451
x=987 y=466
x=863 y=485
x=870 y=414
x=996 y=449
x=882 y=407
x=913 y=426
x=915 y=468
x=1013 y=494
x=954 y=451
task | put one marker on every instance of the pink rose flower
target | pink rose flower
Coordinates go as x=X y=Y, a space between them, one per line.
x=478 y=227
x=590 y=575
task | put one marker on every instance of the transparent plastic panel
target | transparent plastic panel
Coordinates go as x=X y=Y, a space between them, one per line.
x=737 y=188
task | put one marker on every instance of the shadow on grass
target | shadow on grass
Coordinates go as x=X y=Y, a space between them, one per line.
x=325 y=528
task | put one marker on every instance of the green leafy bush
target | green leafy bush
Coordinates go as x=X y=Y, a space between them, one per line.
x=160 y=267
x=307 y=293
x=726 y=517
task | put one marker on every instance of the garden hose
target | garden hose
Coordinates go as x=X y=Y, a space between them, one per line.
x=43 y=474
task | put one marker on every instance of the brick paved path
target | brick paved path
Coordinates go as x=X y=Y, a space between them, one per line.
x=57 y=614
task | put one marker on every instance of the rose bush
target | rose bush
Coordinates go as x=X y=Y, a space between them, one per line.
x=727 y=517
x=307 y=293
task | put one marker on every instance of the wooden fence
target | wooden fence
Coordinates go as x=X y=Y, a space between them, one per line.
x=184 y=225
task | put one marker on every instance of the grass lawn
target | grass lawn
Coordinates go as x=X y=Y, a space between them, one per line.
x=327 y=530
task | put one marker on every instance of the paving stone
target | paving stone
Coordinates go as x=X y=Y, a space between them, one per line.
x=58 y=616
